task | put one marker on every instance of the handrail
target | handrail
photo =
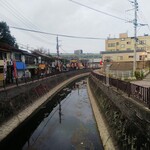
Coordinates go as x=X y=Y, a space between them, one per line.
x=139 y=93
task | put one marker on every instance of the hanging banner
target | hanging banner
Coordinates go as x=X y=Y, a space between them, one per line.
x=15 y=69
x=1 y=76
x=101 y=62
x=5 y=68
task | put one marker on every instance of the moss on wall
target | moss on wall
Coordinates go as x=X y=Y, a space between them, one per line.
x=127 y=130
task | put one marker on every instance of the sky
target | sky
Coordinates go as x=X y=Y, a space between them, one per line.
x=68 y=18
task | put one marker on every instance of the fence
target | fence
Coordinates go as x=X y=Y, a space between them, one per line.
x=22 y=81
x=121 y=74
x=139 y=93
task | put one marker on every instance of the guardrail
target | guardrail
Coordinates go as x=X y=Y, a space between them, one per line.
x=138 y=93
x=21 y=81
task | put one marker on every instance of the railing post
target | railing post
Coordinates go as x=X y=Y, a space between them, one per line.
x=129 y=89
x=4 y=84
x=117 y=84
x=17 y=81
x=148 y=98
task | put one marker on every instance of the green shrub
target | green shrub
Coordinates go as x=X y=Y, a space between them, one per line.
x=139 y=75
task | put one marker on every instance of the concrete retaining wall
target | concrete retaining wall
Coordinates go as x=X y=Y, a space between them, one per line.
x=16 y=124
x=16 y=98
x=128 y=121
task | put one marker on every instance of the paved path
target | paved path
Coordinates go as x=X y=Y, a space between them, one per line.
x=145 y=82
x=147 y=77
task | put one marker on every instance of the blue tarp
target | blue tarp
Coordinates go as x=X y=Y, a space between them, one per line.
x=20 y=66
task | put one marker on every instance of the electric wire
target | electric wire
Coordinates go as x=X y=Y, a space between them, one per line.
x=17 y=14
x=145 y=18
x=105 y=13
x=60 y=35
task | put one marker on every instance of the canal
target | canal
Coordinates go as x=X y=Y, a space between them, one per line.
x=65 y=123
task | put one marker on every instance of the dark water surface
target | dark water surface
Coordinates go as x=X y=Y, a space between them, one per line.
x=70 y=126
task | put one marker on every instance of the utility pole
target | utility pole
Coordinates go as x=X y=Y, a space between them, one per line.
x=57 y=46
x=135 y=23
x=135 y=33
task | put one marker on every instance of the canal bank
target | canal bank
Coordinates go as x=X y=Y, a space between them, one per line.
x=68 y=122
x=126 y=120
x=7 y=127
x=69 y=126
x=101 y=124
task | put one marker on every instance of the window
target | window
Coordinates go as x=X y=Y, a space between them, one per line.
x=111 y=44
x=117 y=43
x=142 y=42
x=140 y=57
x=141 y=48
x=18 y=57
x=120 y=57
x=128 y=43
x=130 y=56
x=3 y=56
x=123 y=39
x=1 y=70
x=107 y=58
x=122 y=45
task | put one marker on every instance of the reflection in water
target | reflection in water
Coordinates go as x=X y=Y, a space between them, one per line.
x=59 y=102
x=73 y=129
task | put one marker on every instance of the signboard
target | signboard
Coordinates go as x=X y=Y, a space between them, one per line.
x=15 y=69
x=73 y=60
x=42 y=66
x=1 y=76
x=5 y=68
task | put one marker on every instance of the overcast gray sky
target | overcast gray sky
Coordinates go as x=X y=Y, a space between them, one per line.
x=66 y=17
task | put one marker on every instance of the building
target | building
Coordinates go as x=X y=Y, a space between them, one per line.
x=124 y=55
x=127 y=43
x=119 y=54
x=95 y=63
x=78 y=52
x=122 y=48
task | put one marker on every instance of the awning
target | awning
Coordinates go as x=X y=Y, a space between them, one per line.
x=20 y=66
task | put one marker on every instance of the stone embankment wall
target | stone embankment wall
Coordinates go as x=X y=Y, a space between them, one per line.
x=13 y=100
x=127 y=120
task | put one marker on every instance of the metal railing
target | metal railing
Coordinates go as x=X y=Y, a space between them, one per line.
x=138 y=93
x=25 y=80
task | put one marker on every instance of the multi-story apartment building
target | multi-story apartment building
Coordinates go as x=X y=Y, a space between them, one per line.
x=124 y=56
x=127 y=43
x=122 y=48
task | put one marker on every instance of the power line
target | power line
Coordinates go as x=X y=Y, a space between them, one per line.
x=25 y=21
x=145 y=18
x=99 y=11
x=61 y=35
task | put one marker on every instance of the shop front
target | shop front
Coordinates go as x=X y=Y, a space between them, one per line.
x=21 y=68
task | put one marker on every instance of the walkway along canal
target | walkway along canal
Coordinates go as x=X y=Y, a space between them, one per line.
x=65 y=122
